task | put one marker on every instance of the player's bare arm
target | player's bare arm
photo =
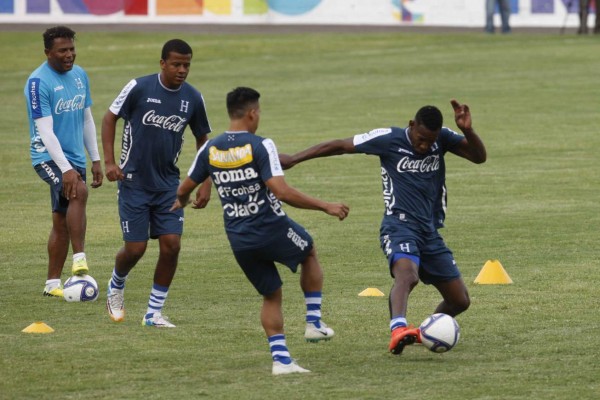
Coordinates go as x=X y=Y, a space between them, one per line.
x=109 y=125
x=331 y=148
x=471 y=148
x=279 y=187
x=204 y=191
x=186 y=187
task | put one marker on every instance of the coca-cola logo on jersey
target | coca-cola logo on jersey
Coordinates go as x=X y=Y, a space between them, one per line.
x=74 y=104
x=427 y=164
x=171 y=123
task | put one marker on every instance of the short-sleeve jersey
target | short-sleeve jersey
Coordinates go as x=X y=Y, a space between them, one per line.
x=239 y=164
x=64 y=97
x=155 y=119
x=413 y=184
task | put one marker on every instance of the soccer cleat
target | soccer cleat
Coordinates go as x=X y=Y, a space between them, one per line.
x=314 y=334
x=403 y=336
x=56 y=292
x=80 y=267
x=158 y=321
x=115 y=303
x=282 y=369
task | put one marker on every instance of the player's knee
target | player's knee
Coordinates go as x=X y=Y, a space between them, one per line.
x=170 y=248
x=133 y=251
x=406 y=277
x=462 y=304
x=82 y=192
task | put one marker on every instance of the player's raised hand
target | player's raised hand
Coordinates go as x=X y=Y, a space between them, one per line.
x=462 y=115
x=339 y=210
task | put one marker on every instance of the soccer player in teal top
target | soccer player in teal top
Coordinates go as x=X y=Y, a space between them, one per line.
x=413 y=177
x=245 y=170
x=156 y=109
x=61 y=129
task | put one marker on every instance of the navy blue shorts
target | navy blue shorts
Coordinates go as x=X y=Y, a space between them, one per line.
x=289 y=249
x=146 y=214
x=435 y=260
x=51 y=174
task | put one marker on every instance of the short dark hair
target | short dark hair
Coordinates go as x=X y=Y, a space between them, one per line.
x=239 y=99
x=57 y=32
x=431 y=117
x=175 y=46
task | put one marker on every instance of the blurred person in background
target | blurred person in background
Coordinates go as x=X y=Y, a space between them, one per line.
x=504 y=8
x=584 y=12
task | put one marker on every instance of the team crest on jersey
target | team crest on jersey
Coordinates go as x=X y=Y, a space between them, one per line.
x=231 y=158
x=79 y=83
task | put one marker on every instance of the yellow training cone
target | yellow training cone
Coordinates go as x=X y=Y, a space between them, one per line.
x=493 y=273
x=38 y=327
x=373 y=292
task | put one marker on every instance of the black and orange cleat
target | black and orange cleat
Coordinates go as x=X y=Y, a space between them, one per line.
x=403 y=336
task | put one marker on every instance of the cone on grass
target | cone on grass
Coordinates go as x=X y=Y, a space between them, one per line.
x=493 y=273
x=371 y=292
x=38 y=327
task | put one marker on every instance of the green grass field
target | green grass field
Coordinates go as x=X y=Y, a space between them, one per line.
x=533 y=205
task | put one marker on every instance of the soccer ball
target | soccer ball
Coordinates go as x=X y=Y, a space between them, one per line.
x=439 y=332
x=80 y=288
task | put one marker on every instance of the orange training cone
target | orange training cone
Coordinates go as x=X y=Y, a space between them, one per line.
x=493 y=273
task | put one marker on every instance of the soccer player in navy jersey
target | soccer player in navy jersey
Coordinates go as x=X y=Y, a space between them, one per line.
x=413 y=176
x=156 y=109
x=61 y=129
x=245 y=170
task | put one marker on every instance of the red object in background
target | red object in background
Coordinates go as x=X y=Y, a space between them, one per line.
x=107 y=7
x=136 y=7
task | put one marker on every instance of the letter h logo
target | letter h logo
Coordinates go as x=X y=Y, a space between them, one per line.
x=184 y=106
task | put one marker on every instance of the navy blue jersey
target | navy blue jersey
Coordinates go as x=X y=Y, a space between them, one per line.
x=239 y=164
x=155 y=119
x=413 y=184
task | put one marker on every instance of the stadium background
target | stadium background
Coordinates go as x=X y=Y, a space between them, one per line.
x=410 y=13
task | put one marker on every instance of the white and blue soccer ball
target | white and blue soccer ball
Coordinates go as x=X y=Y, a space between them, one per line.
x=439 y=332
x=80 y=288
